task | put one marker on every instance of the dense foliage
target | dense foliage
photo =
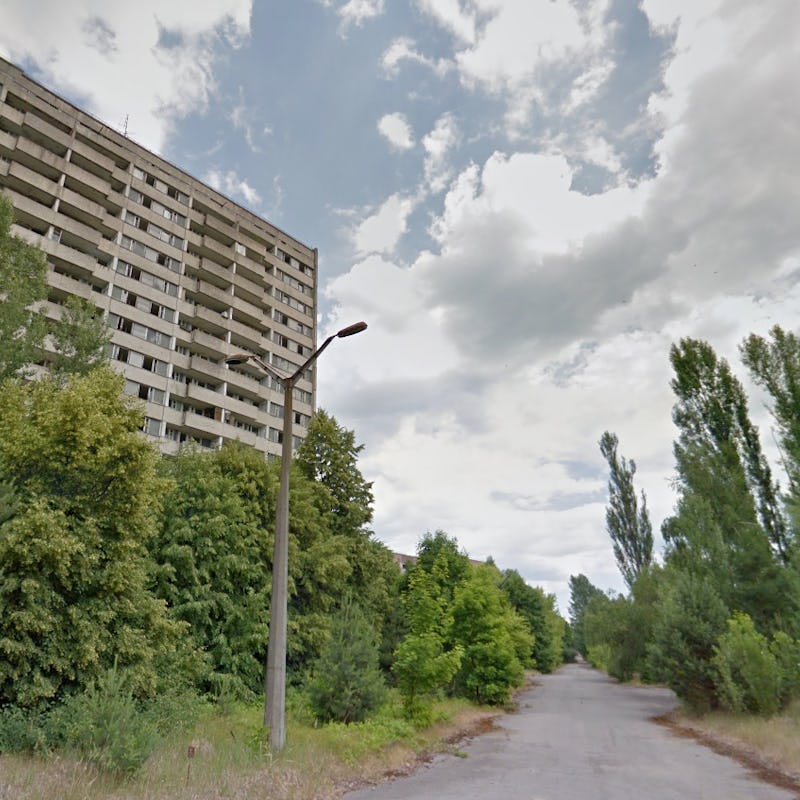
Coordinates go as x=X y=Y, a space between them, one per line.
x=131 y=583
x=719 y=620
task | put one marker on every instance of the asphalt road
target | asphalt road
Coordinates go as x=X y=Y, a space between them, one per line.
x=580 y=735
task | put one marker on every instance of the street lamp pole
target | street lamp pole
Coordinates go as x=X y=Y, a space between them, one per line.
x=275 y=681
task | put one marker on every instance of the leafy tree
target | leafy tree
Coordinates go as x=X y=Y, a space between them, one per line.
x=329 y=455
x=422 y=664
x=23 y=282
x=347 y=682
x=495 y=640
x=539 y=611
x=628 y=525
x=211 y=559
x=726 y=516
x=775 y=365
x=711 y=414
x=328 y=458
x=73 y=563
x=439 y=553
x=79 y=339
x=581 y=592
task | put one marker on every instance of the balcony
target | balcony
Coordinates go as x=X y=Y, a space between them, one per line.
x=68 y=286
x=207 y=344
x=250 y=337
x=249 y=290
x=203 y=426
x=211 y=248
x=92 y=187
x=39 y=158
x=211 y=295
x=255 y=316
x=104 y=163
x=224 y=230
x=13 y=119
x=31 y=183
x=246 y=411
x=246 y=437
x=210 y=321
x=86 y=210
x=37 y=130
x=202 y=368
x=251 y=269
x=204 y=268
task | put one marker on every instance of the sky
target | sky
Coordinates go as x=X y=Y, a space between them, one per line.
x=528 y=201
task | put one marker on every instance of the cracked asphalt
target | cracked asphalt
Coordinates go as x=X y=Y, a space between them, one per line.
x=578 y=734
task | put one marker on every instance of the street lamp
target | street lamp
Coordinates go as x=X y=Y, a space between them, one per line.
x=275 y=699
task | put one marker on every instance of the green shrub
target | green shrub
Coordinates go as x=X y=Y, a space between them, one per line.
x=787 y=657
x=599 y=655
x=748 y=678
x=347 y=682
x=105 y=726
x=20 y=730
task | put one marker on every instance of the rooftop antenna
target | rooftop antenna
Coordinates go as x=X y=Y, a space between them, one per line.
x=125 y=125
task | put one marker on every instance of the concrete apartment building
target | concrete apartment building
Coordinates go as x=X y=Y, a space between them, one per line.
x=185 y=275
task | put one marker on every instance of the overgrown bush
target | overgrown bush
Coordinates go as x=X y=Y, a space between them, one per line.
x=747 y=675
x=105 y=726
x=599 y=655
x=691 y=619
x=787 y=656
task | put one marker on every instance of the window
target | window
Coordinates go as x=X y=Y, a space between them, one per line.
x=302 y=395
x=133 y=272
x=290 y=301
x=301 y=419
x=275 y=436
x=276 y=410
x=149 y=253
x=152 y=427
x=116 y=322
x=284 y=364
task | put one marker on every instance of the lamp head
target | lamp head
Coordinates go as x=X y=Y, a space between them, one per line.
x=237 y=358
x=350 y=330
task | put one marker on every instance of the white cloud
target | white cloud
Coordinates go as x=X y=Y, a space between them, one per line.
x=450 y=15
x=381 y=231
x=356 y=12
x=148 y=62
x=230 y=184
x=403 y=50
x=242 y=118
x=508 y=48
x=437 y=145
x=396 y=130
x=548 y=315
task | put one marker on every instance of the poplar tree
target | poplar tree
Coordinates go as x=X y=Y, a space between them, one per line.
x=727 y=521
x=775 y=366
x=628 y=524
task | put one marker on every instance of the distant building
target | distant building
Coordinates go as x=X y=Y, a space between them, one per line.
x=185 y=275
x=404 y=562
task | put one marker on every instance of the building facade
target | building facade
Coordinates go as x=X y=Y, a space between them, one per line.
x=185 y=276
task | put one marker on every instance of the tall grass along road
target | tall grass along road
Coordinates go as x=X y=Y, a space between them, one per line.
x=579 y=734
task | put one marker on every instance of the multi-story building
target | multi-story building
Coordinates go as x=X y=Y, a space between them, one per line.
x=185 y=275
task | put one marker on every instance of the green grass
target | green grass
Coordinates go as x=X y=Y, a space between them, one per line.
x=775 y=740
x=232 y=758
